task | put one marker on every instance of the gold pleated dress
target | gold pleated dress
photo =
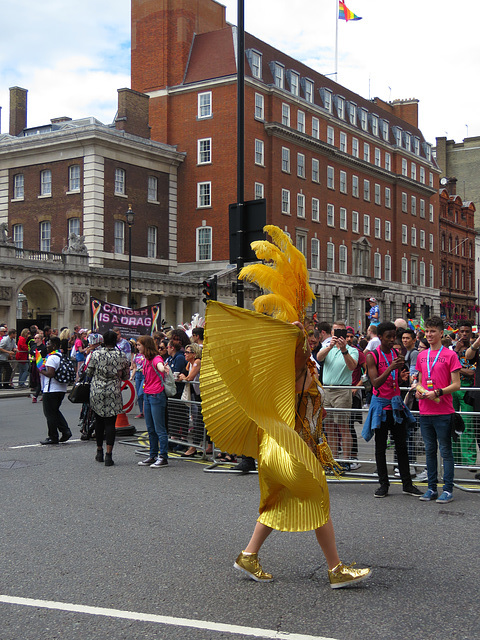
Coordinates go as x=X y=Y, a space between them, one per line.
x=247 y=382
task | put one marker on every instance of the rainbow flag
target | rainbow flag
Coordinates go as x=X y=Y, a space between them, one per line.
x=345 y=14
x=39 y=361
x=411 y=325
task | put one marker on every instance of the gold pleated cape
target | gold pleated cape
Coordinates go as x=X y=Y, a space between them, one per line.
x=247 y=382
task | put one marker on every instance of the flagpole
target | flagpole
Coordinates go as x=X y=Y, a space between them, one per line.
x=336 y=42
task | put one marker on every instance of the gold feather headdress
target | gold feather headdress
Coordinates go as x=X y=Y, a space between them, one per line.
x=286 y=278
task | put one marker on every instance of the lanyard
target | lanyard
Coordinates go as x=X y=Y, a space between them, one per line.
x=392 y=373
x=430 y=369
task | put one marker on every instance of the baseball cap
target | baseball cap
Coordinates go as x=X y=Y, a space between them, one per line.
x=372 y=299
x=95 y=338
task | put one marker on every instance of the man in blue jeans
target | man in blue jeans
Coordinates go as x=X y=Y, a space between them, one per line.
x=438 y=377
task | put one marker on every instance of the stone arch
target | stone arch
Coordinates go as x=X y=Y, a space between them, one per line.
x=43 y=297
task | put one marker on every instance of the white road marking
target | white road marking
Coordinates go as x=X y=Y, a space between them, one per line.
x=26 y=446
x=166 y=620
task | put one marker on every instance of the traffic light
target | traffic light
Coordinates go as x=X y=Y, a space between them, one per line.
x=210 y=289
x=410 y=310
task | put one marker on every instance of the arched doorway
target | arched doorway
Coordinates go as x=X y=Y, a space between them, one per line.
x=38 y=303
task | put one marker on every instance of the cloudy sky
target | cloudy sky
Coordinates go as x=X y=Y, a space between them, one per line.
x=73 y=62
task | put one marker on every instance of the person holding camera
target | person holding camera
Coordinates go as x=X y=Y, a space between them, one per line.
x=339 y=361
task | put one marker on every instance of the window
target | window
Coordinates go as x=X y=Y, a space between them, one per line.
x=422 y=175
x=259 y=190
x=421 y=276
x=404 y=167
x=294 y=79
x=408 y=141
x=388 y=162
x=331 y=136
x=45 y=236
x=416 y=146
x=18 y=235
x=286 y=201
x=300 y=205
x=315 y=254
x=300 y=165
x=120 y=182
x=422 y=208
x=315 y=210
x=259 y=106
x=432 y=275
x=327 y=99
x=430 y=242
x=330 y=178
x=18 y=186
x=73 y=226
x=286 y=159
x=378 y=196
x=366 y=152
x=413 y=237
x=255 y=60
x=385 y=130
x=355 y=193
x=366 y=225
x=119 y=237
x=364 y=119
x=341 y=107
x=301 y=242
x=404 y=202
x=74 y=177
x=378 y=157
x=152 y=242
x=375 y=125
x=301 y=121
x=204 y=243
x=413 y=271
x=330 y=256
x=286 y=115
x=422 y=239
x=353 y=113
x=430 y=179
x=152 y=189
x=388 y=230
x=404 y=270
x=388 y=198
x=378 y=228
x=204 y=105
x=413 y=171
x=377 y=265
x=315 y=128
x=413 y=203
x=309 y=88
x=259 y=152
x=366 y=190
x=204 y=194
x=355 y=221
x=46 y=183
x=330 y=215
x=342 y=259
x=388 y=267
x=343 y=218
x=315 y=170
x=404 y=234
x=343 y=142
x=355 y=147
x=343 y=182
x=398 y=136
x=430 y=217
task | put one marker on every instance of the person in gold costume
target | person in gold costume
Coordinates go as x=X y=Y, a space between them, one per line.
x=270 y=406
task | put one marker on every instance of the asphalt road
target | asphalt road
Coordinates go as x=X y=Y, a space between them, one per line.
x=97 y=542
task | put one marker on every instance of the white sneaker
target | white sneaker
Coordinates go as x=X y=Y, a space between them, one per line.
x=421 y=477
x=355 y=465
x=396 y=472
x=159 y=463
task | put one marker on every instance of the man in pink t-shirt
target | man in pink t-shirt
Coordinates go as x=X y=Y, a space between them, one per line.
x=438 y=377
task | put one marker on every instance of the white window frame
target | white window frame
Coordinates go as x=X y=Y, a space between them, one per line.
x=285 y=114
x=378 y=157
x=377 y=226
x=422 y=239
x=366 y=190
x=285 y=159
x=366 y=152
x=413 y=236
x=388 y=231
x=404 y=234
x=431 y=215
x=404 y=202
x=413 y=171
x=315 y=210
x=343 y=219
x=388 y=198
x=17 y=233
x=432 y=275
x=309 y=90
x=413 y=205
x=430 y=242
x=73 y=226
x=301 y=242
x=259 y=152
x=330 y=215
x=204 y=195
x=259 y=106
x=18 y=186
x=152 y=235
x=355 y=187
x=152 y=189
x=387 y=271
x=343 y=142
x=342 y=182
x=301 y=165
x=330 y=257
x=331 y=136
x=256 y=64
x=422 y=174
x=301 y=121
x=330 y=177
x=378 y=194
x=343 y=259
x=203 y=244
x=315 y=170
x=355 y=222
x=74 y=178
x=204 y=151
x=315 y=253
x=377 y=265
x=119 y=237
x=355 y=147
x=404 y=167
x=294 y=78
x=45 y=236
x=120 y=180
x=286 y=202
x=366 y=224
x=46 y=183
x=404 y=271
x=388 y=161
x=300 y=205
x=422 y=208
x=259 y=190
x=315 y=128
x=204 y=105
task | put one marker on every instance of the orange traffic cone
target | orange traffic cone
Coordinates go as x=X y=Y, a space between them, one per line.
x=122 y=425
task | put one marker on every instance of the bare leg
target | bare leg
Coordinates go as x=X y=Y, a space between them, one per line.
x=326 y=539
x=260 y=534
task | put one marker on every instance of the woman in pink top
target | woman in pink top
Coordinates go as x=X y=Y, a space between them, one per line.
x=21 y=356
x=154 y=403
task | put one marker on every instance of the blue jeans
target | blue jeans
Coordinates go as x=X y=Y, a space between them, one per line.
x=22 y=368
x=154 y=405
x=433 y=429
x=139 y=378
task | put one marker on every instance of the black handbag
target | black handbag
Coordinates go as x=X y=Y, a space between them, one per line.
x=80 y=392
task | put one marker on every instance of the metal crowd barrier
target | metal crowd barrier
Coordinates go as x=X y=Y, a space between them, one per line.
x=9 y=371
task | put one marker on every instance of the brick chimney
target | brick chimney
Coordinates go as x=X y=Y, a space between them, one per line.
x=451 y=186
x=18 y=110
x=407 y=110
x=132 y=114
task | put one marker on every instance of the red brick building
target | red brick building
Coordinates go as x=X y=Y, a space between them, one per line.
x=351 y=180
x=457 y=256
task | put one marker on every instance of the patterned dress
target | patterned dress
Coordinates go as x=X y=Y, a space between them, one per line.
x=107 y=369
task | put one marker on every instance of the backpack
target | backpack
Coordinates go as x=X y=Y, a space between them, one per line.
x=167 y=379
x=66 y=371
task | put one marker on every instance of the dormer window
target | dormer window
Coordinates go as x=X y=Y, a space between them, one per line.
x=326 y=96
x=397 y=132
x=416 y=146
x=364 y=119
x=255 y=60
x=308 y=88
x=375 y=125
x=341 y=107
x=278 y=72
x=294 y=80
x=352 y=113
x=408 y=141
x=385 y=130
x=428 y=154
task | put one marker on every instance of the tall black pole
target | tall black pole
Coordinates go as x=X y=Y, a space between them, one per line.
x=129 y=265
x=240 y=143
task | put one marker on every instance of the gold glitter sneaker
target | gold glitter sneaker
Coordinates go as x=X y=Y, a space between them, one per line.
x=344 y=575
x=250 y=565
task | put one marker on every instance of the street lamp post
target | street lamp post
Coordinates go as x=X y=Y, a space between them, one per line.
x=130 y=215
x=450 y=294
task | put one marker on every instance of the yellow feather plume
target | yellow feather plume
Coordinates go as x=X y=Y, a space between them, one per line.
x=286 y=278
